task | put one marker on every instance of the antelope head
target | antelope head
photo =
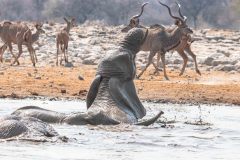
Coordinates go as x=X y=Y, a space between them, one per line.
x=38 y=26
x=180 y=22
x=71 y=23
x=134 y=21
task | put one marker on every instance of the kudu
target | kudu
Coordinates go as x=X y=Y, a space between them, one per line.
x=62 y=40
x=19 y=34
x=162 y=41
x=134 y=21
x=2 y=50
x=34 y=37
x=184 y=46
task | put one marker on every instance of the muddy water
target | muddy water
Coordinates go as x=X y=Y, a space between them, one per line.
x=184 y=132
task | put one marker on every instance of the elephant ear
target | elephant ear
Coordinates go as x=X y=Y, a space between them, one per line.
x=93 y=91
x=124 y=94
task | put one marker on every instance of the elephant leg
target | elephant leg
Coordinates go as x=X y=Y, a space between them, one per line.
x=40 y=113
x=93 y=118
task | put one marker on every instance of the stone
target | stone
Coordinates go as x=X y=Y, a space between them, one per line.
x=68 y=64
x=80 y=78
x=228 y=68
x=177 y=61
x=208 y=61
x=63 y=91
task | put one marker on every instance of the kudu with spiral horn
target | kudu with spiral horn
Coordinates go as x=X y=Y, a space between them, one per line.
x=134 y=21
x=184 y=46
x=161 y=41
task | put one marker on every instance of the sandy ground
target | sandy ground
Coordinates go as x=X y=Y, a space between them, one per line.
x=217 y=55
x=62 y=82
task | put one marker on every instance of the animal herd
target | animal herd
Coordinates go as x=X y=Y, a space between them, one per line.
x=159 y=40
x=112 y=97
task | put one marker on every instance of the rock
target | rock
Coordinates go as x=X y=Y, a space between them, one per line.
x=234 y=62
x=34 y=93
x=89 y=61
x=82 y=92
x=80 y=78
x=75 y=55
x=63 y=91
x=227 y=54
x=38 y=77
x=68 y=64
x=14 y=95
x=208 y=61
x=217 y=38
x=217 y=62
x=1 y=73
x=233 y=72
x=177 y=61
x=228 y=68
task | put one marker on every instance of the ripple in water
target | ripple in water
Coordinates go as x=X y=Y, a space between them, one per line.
x=184 y=132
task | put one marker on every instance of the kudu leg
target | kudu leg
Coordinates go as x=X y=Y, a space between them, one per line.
x=2 y=50
x=66 y=53
x=150 y=58
x=31 y=52
x=189 y=51
x=164 y=66
x=61 y=54
x=185 y=59
x=14 y=56
x=19 y=54
x=35 y=56
x=57 y=54
x=157 y=68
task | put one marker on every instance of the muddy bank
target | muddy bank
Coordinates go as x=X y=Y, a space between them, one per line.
x=73 y=83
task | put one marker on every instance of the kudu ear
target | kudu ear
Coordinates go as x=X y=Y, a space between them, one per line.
x=65 y=19
x=73 y=19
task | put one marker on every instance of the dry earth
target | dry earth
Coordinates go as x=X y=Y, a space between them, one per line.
x=217 y=53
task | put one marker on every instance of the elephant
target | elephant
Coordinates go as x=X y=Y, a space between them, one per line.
x=112 y=97
x=25 y=128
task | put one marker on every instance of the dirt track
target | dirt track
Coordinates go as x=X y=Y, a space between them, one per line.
x=61 y=82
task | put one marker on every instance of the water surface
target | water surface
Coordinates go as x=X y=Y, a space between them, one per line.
x=184 y=132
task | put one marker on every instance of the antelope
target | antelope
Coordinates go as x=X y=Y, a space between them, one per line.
x=34 y=38
x=2 y=50
x=134 y=21
x=19 y=34
x=63 y=38
x=184 y=46
x=162 y=41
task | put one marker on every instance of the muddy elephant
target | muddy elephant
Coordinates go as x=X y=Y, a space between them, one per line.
x=25 y=128
x=112 y=97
